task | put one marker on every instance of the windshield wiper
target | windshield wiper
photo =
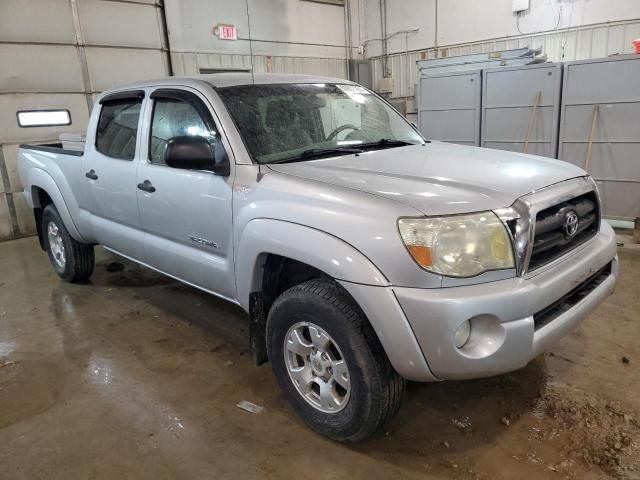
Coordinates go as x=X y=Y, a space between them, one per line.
x=317 y=152
x=386 y=142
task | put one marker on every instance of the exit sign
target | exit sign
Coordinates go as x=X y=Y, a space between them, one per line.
x=227 y=32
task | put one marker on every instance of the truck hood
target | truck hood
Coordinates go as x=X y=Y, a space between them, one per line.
x=439 y=178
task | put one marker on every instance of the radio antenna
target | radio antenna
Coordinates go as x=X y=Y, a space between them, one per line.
x=253 y=78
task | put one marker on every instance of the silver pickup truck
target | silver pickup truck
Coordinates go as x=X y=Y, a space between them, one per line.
x=364 y=254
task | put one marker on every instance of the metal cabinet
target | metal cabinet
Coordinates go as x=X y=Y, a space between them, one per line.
x=521 y=108
x=449 y=107
x=600 y=128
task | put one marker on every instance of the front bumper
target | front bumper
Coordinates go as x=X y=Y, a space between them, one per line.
x=503 y=335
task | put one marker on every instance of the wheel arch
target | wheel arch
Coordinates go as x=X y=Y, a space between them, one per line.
x=274 y=255
x=44 y=191
x=264 y=239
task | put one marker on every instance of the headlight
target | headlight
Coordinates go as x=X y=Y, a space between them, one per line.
x=458 y=245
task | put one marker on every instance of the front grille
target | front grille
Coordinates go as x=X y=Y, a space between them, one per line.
x=551 y=238
x=560 y=306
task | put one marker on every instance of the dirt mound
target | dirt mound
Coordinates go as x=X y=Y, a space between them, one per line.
x=601 y=433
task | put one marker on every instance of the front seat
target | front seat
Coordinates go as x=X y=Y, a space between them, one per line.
x=283 y=122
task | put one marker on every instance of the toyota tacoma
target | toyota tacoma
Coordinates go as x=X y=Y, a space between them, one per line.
x=364 y=254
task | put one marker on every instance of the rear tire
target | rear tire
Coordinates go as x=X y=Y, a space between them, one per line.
x=347 y=389
x=73 y=261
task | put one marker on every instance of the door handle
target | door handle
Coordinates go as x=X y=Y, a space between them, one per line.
x=91 y=174
x=146 y=186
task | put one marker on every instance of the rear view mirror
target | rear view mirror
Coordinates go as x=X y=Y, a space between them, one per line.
x=196 y=153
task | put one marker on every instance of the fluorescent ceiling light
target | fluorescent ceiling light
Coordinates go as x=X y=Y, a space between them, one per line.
x=43 y=118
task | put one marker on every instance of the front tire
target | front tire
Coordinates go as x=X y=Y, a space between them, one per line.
x=73 y=261
x=329 y=362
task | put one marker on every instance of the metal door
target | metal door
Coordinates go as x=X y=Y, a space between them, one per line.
x=185 y=214
x=109 y=168
x=521 y=108
x=449 y=107
x=600 y=131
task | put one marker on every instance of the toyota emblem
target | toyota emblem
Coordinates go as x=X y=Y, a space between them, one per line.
x=571 y=224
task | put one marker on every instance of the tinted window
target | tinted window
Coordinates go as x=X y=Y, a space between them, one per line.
x=175 y=118
x=118 y=128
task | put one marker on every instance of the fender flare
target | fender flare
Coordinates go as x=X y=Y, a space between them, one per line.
x=345 y=264
x=40 y=179
x=316 y=248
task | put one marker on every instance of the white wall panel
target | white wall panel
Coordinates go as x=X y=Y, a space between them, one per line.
x=461 y=21
x=191 y=24
x=40 y=68
x=119 y=24
x=10 y=154
x=278 y=27
x=110 y=67
x=36 y=21
x=10 y=132
x=296 y=21
x=5 y=223
x=475 y=22
x=401 y=15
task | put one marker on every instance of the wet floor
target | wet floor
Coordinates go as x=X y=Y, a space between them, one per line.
x=133 y=375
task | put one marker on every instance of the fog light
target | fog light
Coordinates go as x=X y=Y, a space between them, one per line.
x=462 y=334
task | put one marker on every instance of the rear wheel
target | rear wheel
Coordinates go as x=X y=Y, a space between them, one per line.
x=73 y=261
x=329 y=362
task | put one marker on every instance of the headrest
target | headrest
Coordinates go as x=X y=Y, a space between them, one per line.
x=281 y=113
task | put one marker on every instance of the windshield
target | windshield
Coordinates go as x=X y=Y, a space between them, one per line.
x=287 y=121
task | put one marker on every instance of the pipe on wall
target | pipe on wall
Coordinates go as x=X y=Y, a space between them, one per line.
x=165 y=35
x=383 y=36
x=347 y=35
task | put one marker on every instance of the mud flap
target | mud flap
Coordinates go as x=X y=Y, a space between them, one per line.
x=258 y=319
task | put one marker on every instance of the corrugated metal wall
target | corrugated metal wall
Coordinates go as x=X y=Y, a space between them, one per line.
x=193 y=63
x=61 y=54
x=564 y=45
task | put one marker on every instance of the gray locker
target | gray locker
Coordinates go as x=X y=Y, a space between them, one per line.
x=601 y=104
x=449 y=107
x=521 y=108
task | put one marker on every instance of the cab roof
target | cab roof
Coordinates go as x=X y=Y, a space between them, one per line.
x=236 y=79
x=221 y=80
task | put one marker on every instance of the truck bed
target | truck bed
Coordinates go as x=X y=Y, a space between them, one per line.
x=52 y=148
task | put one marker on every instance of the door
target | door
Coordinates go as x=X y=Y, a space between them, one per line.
x=109 y=174
x=185 y=214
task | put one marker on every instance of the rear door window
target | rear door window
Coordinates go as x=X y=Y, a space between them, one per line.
x=118 y=128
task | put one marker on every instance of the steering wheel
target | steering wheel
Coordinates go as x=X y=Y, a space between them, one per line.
x=346 y=126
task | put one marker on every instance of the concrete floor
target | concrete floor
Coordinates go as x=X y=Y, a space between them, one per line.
x=136 y=376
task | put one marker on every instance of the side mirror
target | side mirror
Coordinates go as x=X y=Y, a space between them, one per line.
x=196 y=153
x=189 y=153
